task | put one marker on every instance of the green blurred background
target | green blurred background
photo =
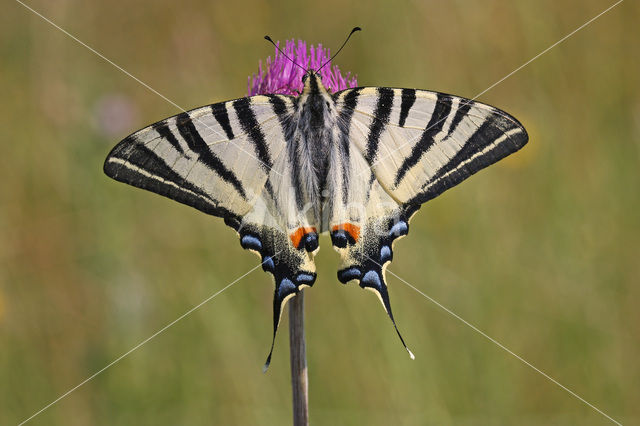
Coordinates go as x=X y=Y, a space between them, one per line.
x=541 y=251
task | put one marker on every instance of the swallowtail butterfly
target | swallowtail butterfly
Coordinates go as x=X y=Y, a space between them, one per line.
x=282 y=169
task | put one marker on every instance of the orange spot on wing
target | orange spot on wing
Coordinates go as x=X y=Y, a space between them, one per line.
x=350 y=228
x=297 y=235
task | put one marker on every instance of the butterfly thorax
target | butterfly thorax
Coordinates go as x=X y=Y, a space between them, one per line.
x=316 y=117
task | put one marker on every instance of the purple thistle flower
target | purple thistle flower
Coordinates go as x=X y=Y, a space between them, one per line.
x=284 y=77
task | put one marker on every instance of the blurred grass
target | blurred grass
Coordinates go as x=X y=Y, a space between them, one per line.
x=540 y=251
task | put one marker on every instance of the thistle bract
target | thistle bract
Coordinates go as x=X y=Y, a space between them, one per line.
x=282 y=76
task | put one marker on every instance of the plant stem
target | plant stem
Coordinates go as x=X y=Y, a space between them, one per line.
x=298 y=355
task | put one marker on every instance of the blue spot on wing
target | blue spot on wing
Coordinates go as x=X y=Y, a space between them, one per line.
x=305 y=279
x=251 y=242
x=285 y=288
x=385 y=254
x=400 y=228
x=349 y=274
x=267 y=264
x=371 y=279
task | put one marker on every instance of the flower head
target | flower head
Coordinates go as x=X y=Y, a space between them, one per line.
x=282 y=76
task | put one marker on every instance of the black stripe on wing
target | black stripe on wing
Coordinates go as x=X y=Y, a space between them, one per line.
x=284 y=118
x=497 y=137
x=296 y=174
x=249 y=124
x=381 y=118
x=221 y=115
x=196 y=143
x=162 y=127
x=135 y=164
x=464 y=105
x=436 y=123
x=408 y=99
x=344 y=122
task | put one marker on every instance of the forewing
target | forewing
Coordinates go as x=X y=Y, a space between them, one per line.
x=421 y=143
x=215 y=158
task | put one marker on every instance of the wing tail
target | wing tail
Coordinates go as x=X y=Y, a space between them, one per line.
x=292 y=268
x=374 y=280
x=365 y=258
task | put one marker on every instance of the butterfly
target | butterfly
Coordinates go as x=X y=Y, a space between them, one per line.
x=280 y=170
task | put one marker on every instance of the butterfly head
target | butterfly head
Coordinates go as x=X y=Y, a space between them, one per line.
x=312 y=82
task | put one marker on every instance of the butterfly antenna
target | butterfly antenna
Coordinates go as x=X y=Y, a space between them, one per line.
x=283 y=54
x=343 y=44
